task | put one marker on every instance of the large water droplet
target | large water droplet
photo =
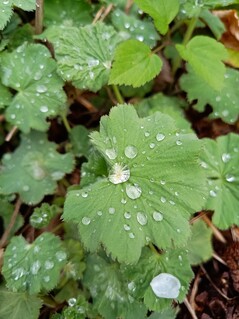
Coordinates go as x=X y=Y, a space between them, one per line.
x=111 y=153
x=230 y=178
x=119 y=174
x=166 y=286
x=157 y=216
x=85 y=220
x=133 y=191
x=160 y=137
x=130 y=151
x=141 y=218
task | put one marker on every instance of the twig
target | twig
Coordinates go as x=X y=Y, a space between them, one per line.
x=190 y=309
x=39 y=16
x=11 y=133
x=194 y=219
x=218 y=258
x=98 y=14
x=128 y=6
x=111 y=96
x=89 y=106
x=11 y=224
x=194 y=290
x=107 y=11
x=215 y=231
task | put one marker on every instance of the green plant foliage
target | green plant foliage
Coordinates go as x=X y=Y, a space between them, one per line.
x=108 y=287
x=129 y=91
x=134 y=64
x=67 y=12
x=35 y=166
x=144 y=157
x=205 y=56
x=43 y=215
x=224 y=102
x=80 y=146
x=33 y=267
x=90 y=68
x=6 y=9
x=131 y=27
x=15 y=305
x=163 y=12
x=165 y=314
x=214 y=23
x=220 y=161
x=6 y=96
x=30 y=71
x=200 y=243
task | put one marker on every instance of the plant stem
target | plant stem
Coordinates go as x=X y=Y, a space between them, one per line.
x=66 y=123
x=186 y=38
x=118 y=95
x=39 y=16
x=153 y=249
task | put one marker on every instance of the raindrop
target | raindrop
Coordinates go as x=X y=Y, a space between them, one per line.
x=141 y=218
x=140 y=38
x=160 y=137
x=131 y=235
x=127 y=215
x=152 y=145
x=44 y=109
x=163 y=199
x=112 y=210
x=84 y=194
x=18 y=273
x=179 y=142
x=131 y=286
x=230 y=178
x=157 y=216
x=146 y=134
x=130 y=151
x=46 y=278
x=35 y=267
x=99 y=213
x=226 y=157
x=71 y=302
x=133 y=191
x=166 y=286
x=218 y=99
x=49 y=264
x=85 y=220
x=123 y=201
x=61 y=255
x=119 y=174
x=41 y=88
x=93 y=62
x=111 y=153
x=126 y=227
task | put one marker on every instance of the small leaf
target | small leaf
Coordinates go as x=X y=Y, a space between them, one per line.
x=81 y=146
x=43 y=215
x=200 y=243
x=213 y=22
x=33 y=267
x=67 y=12
x=131 y=27
x=145 y=157
x=134 y=64
x=220 y=161
x=205 y=56
x=34 y=166
x=6 y=96
x=224 y=102
x=30 y=71
x=15 y=305
x=84 y=55
x=163 y=12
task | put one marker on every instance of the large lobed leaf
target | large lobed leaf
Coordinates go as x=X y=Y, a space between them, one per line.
x=149 y=193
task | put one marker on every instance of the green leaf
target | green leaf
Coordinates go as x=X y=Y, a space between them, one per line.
x=220 y=161
x=205 y=56
x=145 y=157
x=163 y=12
x=200 y=243
x=30 y=71
x=134 y=64
x=131 y=27
x=33 y=267
x=42 y=215
x=27 y=5
x=111 y=296
x=129 y=91
x=168 y=313
x=151 y=264
x=224 y=102
x=78 y=309
x=34 y=166
x=6 y=96
x=67 y=12
x=84 y=55
x=214 y=23
x=81 y=146
x=15 y=305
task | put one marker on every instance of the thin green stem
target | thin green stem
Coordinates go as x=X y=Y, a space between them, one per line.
x=117 y=93
x=151 y=246
x=66 y=123
x=39 y=16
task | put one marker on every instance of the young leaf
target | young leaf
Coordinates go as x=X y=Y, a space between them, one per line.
x=224 y=102
x=33 y=267
x=67 y=12
x=30 y=71
x=84 y=55
x=134 y=64
x=200 y=243
x=111 y=296
x=205 y=56
x=34 y=166
x=15 y=305
x=43 y=215
x=149 y=192
x=163 y=12
x=131 y=27
x=220 y=161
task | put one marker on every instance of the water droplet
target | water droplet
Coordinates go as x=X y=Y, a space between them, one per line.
x=46 y=278
x=44 y=109
x=133 y=191
x=131 y=235
x=123 y=201
x=41 y=88
x=166 y=286
x=127 y=215
x=140 y=38
x=130 y=151
x=179 y=142
x=126 y=227
x=160 y=137
x=204 y=165
x=18 y=273
x=35 y=267
x=218 y=99
x=86 y=220
x=25 y=188
x=93 y=62
x=112 y=210
x=111 y=153
x=49 y=264
x=230 y=178
x=162 y=182
x=212 y=193
x=99 y=213
x=141 y=218
x=131 y=286
x=84 y=194
x=163 y=199
x=119 y=174
x=71 y=302
x=146 y=134
x=226 y=157
x=152 y=145
x=61 y=255
x=157 y=216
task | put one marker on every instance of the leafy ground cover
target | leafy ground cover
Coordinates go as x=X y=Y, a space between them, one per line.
x=119 y=179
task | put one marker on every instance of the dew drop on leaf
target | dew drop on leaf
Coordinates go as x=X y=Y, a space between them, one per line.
x=130 y=151
x=131 y=235
x=160 y=137
x=84 y=194
x=212 y=193
x=111 y=153
x=157 y=216
x=152 y=145
x=226 y=157
x=86 y=220
x=230 y=178
x=179 y=142
x=166 y=286
x=49 y=264
x=127 y=215
x=41 y=88
x=119 y=174
x=44 y=109
x=126 y=227
x=141 y=218
x=133 y=191
x=112 y=210
x=35 y=267
x=61 y=255
x=72 y=302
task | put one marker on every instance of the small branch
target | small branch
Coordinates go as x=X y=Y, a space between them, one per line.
x=190 y=309
x=215 y=231
x=111 y=96
x=118 y=94
x=162 y=46
x=218 y=258
x=89 y=106
x=11 y=133
x=128 y=6
x=98 y=14
x=194 y=290
x=11 y=224
x=39 y=16
x=107 y=11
